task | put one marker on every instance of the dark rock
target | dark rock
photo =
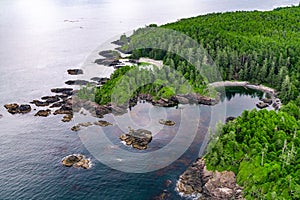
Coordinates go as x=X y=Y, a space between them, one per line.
x=68 y=91
x=56 y=105
x=119 y=66
x=78 y=82
x=101 y=81
x=67 y=118
x=182 y=100
x=75 y=128
x=85 y=124
x=40 y=103
x=12 y=108
x=139 y=138
x=228 y=119
x=146 y=97
x=15 y=108
x=75 y=71
x=115 y=63
x=110 y=54
x=105 y=61
x=262 y=105
x=77 y=161
x=164 y=102
x=24 y=108
x=165 y=195
x=64 y=110
x=134 y=61
x=266 y=100
x=43 y=113
x=102 y=123
x=167 y=122
x=50 y=99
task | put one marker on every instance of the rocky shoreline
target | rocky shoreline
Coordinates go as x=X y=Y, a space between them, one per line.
x=244 y=84
x=264 y=103
x=199 y=183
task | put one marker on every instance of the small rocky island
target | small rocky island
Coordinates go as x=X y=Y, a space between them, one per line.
x=201 y=183
x=138 y=139
x=77 y=161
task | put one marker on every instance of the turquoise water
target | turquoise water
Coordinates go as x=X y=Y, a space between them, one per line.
x=37 y=47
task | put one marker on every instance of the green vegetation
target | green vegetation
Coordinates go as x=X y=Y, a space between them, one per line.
x=262 y=148
x=259 y=47
x=126 y=82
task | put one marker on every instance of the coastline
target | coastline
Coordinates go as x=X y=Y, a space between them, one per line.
x=245 y=84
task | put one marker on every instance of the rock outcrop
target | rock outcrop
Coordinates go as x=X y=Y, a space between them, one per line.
x=43 y=113
x=167 y=122
x=67 y=118
x=75 y=71
x=40 y=103
x=15 y=108
x=262 y=105
x=199 y=182
x=77 y=161
x=67 y=91
x=102 y=123
x=230 y=118
x=78 y=82
x=50 y=99
x=138 y=139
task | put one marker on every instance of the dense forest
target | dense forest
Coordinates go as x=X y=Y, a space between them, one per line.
x=259 y=47
x=262 y=148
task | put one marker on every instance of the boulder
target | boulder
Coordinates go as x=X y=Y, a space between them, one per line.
x=56 y=105
x=75 y=128
x=267 y=100
x=40 y=103
x=43 y=113
x=262 y=105
x=67 y=118
x=102 y=123
x=101 y=81
x=78 y=82
x=165 y=195
x=164 y=102
x=110 y=54
x=139 y=138
x=167 y=122
x=64 y=110
x=228 y=119
x=75 y=71
x=11 y=106
x=67 y=91
x=182 y=100
x=50 y=99
x=24 y=108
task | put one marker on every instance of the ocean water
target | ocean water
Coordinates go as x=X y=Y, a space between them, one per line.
x=40 y=40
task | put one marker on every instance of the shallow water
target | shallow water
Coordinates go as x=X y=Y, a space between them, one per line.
x=37 y=47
